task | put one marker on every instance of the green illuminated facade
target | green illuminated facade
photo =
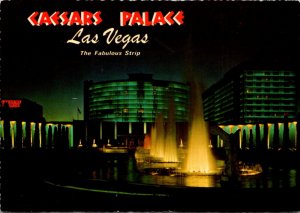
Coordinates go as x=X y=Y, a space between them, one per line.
x=137 y=99
x=252 y=94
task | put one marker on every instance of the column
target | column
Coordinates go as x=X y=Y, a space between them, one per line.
x=240 y=127
x=23 y=133
x=218 y=141
x=7 y=134
x=71 y=139
x=295 y=127
x=101 y=129
x=130 y=128
x=2 y=129
x=32 y=128
x=145 y=128
x=250 y=139
x=269 y=135
x=49 y=136
x=40 y=135
x=18 y=135
x=13 y=133
x=1 y=133
x=115 y=131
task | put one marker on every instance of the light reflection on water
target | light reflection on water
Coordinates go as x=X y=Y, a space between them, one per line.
x=189 y=181
x=270 y=178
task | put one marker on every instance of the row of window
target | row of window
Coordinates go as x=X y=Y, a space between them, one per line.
x=263 y=115
x=266 y=105
x=270 y=86
x=269 y=73
x=270 y=96
x=123 y=86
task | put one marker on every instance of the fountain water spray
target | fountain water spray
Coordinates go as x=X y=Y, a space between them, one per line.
x=163 y=136
x=158 y=137
x=94 y=144
x=199 y=157
x=170 y=154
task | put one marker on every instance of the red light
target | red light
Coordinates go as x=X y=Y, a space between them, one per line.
x=12 y=103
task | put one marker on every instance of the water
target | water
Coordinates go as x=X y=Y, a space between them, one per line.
x=90 y=170
x=199 y=156
x=170 y=154
x=272 y=177
x=157 y=138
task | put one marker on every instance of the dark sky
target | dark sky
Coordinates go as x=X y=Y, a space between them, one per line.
x=39 y=65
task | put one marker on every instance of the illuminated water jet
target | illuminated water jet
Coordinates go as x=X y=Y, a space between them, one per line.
x=170 y=154
x=163 y=136
x=199 y=157
x=157 y=138
x=94 y=145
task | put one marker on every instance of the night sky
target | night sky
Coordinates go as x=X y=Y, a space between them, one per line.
x=38 y=64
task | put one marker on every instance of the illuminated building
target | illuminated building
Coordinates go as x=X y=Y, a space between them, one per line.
x=262 y=101
x=21 y=109
x=129 y=107
x=137 y=99
x=252 y=94
x=22 y=125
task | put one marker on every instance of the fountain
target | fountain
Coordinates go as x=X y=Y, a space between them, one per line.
x=181 y=144
x=199 y=157
x=170 y=154
x=163 y=137
x=157 y=138
x=80 y=144
x=94 y=145
x=147 y=142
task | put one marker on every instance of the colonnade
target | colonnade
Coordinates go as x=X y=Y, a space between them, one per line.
x=25 y=134
x=265 y=136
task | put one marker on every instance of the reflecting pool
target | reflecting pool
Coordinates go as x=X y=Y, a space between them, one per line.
x=118 y=170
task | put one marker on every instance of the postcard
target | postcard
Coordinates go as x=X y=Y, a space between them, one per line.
x=149 y=106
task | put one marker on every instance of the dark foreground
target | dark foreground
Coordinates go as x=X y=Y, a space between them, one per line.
x=45 y=181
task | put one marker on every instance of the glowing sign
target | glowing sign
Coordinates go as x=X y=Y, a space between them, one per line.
x=11 y=103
